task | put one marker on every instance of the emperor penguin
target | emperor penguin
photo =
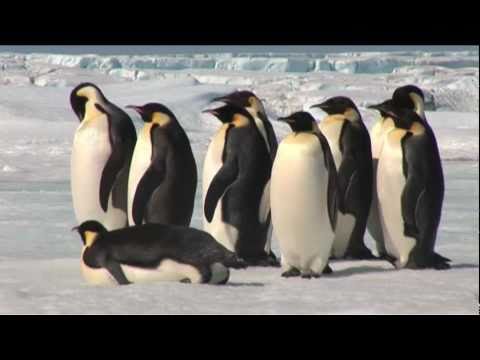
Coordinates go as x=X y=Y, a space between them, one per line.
x=153 y=252
x=163 y=173
x=349 y=142
x=304 y=198
x=100 y=160
x=250 y=102
x=377 y=135
x=410 y=187
x=237 y=167
x=409 y=97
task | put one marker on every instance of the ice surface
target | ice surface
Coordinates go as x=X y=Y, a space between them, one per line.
x=39 y=255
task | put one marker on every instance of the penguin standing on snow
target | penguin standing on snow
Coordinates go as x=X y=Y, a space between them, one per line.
x=377 y=136
x=153 y=252
x=304 y=198
x=239 y=166
x=163 y=174
x=250 y=102
x=100 y=160
x=408 y=97
x=410 y=187
x=351 y=149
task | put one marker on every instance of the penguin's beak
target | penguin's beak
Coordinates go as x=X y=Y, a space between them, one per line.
x=75 y=228
x=221 y=99
x=380 y=107
x=210 y=111
x=374 y=107
x=322 y=106
x=285 y=119
x=138 y=109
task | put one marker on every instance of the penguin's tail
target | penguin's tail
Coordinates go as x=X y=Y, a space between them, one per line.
x=440 y=262
x=439 y=257
x=233 y=261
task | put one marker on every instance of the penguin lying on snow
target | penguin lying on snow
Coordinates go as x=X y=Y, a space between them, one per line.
x=153 y=252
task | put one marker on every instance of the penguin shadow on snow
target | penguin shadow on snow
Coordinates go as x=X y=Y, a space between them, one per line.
x=463 y=266
x=370 y=269
x=242 y=284
x=356 y=270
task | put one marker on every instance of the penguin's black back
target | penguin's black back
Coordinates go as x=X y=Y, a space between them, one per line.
x=147 y=245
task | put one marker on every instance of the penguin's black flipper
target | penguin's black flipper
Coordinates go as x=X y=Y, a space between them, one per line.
x=222 y=180
x=154 y=175
x=333 y=198
x=116 y=161
x=115 y=269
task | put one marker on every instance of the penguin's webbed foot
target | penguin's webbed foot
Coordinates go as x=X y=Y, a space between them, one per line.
x=327 y=270
x=361 y=253
x=391 y=259
x=273 y=260
x=186 y=281
x=269 y=260
x=306 y=276
x=292 y=272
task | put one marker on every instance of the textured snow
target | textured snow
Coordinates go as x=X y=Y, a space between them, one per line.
x=39 y=255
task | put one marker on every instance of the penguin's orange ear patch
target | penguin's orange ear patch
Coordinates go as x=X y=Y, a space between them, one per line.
x=160 y=119
x=240 y=120
x=90 y=237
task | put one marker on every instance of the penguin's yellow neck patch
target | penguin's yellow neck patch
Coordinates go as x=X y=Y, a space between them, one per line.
x=419 y=104
x=89 y=92
x=351 y=114
x=90 y=237
x=160 y=119
x=333 y=118
x=417 y=128
x=256 y=106
x=91 y=111
x=240 y=121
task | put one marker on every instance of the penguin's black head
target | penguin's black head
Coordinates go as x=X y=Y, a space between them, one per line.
x=83 y=93
x=226 y=113
x=300 y=121
x=409 y=97
x=244 y=99
x=89 y=230
x=154 y=112
x=403 y=117
x=386 y=105
x=340 y=105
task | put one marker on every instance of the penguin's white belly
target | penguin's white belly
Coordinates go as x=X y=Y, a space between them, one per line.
x=298 y=194
x=141 y=160
x=264 y=208
x=344 y=228
x=168 y=270
x=331 y=129
x=90 y=152
x=390 y=185
x=224 y=233
x=373 y=222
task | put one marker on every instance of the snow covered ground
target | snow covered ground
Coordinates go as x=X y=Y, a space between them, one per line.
x=39 y=267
